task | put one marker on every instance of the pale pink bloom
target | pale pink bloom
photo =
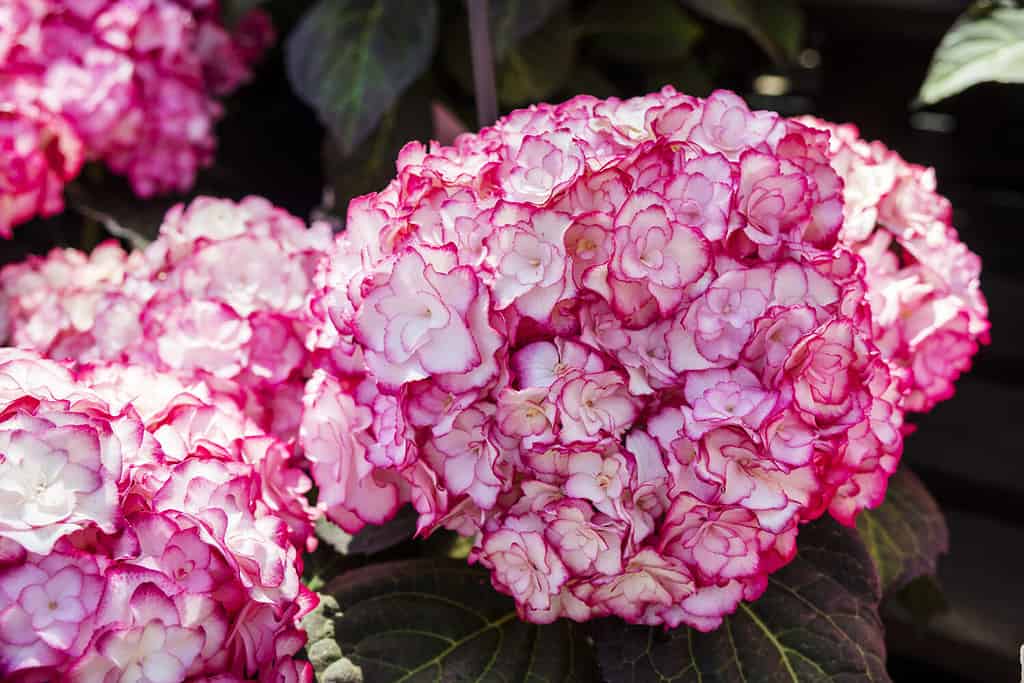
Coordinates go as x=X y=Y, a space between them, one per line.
x=720 y=541
x=150 y=629
x=524 y=564
x=584 y=539
x=615 y=341
x=415 y=323
x=334 y=436
x=724 y=397
x=64 y=454
x=729 y=126
x=53 y=301
x=599 y=479
x=46 y=610
x=466 y=457
x=649 y=580
x=542 y=364
x=651 y=247
x=594 y=405
x=540 y=167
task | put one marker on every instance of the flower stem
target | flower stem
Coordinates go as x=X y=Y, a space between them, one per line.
x=483 y=62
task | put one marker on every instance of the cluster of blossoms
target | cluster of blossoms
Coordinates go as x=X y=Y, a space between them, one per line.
x=627 y=346
x=222 y=295
x=139 y=538
x=50 y=302
x=923 y=283
x=618 y=343
x=131 y=83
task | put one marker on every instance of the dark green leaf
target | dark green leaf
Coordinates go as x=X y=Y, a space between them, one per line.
x=372 y=164
x=983 y=45
x=688 y=76
x=513 y=20
x=440 y=620
x=339 y=551
x=650 y=31
x=533 y=70
x=587 y=78
x=919 y=601
x=777 y=26
x=234 y=10
x=351 y=59
x=539 y=65
x=818 y=621
x=375 y=538
x=906 y=534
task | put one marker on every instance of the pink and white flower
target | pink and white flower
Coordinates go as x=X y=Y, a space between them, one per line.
x=621 y=344
x=923 y=282
x=161 y=544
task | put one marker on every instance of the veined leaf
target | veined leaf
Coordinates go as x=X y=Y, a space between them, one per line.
x=777 y=26
x=513 y=20
x=440 y=620
x=906 y=534
x=818 y=621
x=351 y=59
x=981 y=46
x=651 y=31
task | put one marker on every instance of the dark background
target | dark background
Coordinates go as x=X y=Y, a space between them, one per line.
x=872 y=55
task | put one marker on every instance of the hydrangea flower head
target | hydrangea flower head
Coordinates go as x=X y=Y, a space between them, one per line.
x=221 y=297
x=923 y=282
x=615 y=341
x=131 y=83
x=141 y=544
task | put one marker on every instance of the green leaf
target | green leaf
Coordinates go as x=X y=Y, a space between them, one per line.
x=351 y=59
x=906 y=534
x=339 y=551
x=688 y=76
x=375 y=538
x=650 y=31
x=234 y=10
x=536 y=68
x=818 y=621
x=513 y=20
x=922 y=600
x=440 y=620
x=589 y=79
x=777 y=26
x=983 y=45
x=371 y=165
x=539 y=65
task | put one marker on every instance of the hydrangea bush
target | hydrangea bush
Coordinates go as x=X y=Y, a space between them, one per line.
x=630 y=348
x=139 y=545
x=618 y=343
x=130 y=83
